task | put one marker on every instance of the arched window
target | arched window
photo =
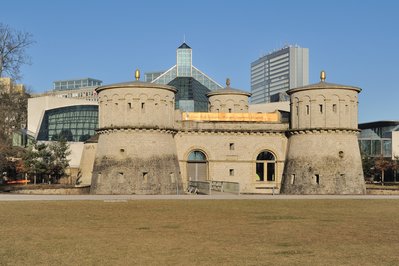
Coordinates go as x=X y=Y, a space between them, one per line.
x=197 y=166
x=196 y=156
x=265 y=166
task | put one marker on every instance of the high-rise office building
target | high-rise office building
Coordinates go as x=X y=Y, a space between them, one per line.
x=273 y=74
x=192 y=84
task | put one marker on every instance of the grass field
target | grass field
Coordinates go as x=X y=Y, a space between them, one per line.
x=203 y=232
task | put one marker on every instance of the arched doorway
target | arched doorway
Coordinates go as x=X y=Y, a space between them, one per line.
x=197 y=166
x=265 y=167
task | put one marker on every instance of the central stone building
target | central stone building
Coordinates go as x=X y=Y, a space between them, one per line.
x=145 y=146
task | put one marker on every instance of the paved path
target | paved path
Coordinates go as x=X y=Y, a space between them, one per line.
x=117 y=198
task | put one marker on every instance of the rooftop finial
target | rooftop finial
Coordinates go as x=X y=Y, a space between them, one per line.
x=137 y=74
x=228 y=82
x=322 y=76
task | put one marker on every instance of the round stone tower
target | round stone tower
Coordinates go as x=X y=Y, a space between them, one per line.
x=136 y=152
x=228 y=100
x=323 y=154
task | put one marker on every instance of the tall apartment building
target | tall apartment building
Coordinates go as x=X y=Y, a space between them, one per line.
x=273 y=74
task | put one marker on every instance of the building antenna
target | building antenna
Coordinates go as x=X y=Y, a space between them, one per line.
x=184 y=38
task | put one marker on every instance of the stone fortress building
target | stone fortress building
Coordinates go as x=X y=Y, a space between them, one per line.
x=323 y=155
x=145 y=146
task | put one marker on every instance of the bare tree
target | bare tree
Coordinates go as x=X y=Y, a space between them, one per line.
x=12 y=51
x=382 y=164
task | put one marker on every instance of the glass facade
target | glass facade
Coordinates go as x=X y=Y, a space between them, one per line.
x=277 y=72
x=75 y=123
x=376 y=147
x=184 y=62
x=192 y=85
x=205 y=80
x=150 y=76
x=191 y=95
x=375 y=139
x=76 y=84
x=166 y=77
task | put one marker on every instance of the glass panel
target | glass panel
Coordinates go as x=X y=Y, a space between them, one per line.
x=271 y=171
x=197 y=156
x=365 y=146
x=260 y=171
x=72 y=122
x=265 y=156
x=387 y=148
x=376 y=147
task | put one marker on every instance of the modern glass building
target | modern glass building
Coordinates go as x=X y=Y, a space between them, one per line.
x=192 y=85
x=75 y=84
x=74 y=123
x=377 y=138
x=150 y=76
x=191 y=94
x=76 y=89
x=273 y=74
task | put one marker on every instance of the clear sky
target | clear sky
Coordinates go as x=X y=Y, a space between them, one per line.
x=355 y=42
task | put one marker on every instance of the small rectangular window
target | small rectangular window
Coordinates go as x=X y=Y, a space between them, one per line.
x=129 y=105
x=145 y=177
x=321 y=108
x=307 y=109
x=143 y=107
x=121 y=177
x=317 y=177
x=231 y=146
x=172 y=177
x=292 y=179
x=334 y=107
x=229 y=110
x=99 y=175
x=231 y=172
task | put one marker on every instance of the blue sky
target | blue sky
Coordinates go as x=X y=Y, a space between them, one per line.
x=355 y=42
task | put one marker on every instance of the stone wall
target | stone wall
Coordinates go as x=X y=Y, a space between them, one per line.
x=324 y=108
x=236 y=103
x=323 y=162
x=231 y=154
x=86 y=163
x=136 y=105
x=136 y=153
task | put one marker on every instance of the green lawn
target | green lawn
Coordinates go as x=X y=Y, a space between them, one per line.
x=200 y=232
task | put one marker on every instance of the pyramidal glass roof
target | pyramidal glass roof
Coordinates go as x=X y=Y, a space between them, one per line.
x=198 y=75
x=184 y=46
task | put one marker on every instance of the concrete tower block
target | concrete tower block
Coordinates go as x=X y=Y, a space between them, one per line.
x=323 y=154
x=228 y=100
x=136 y=151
